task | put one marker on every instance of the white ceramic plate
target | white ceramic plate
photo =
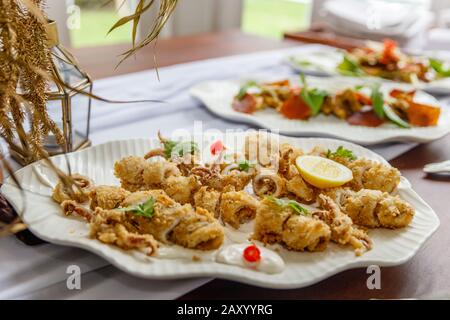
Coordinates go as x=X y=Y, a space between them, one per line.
x=324 y=63
x=217 y=96
x=391 y=247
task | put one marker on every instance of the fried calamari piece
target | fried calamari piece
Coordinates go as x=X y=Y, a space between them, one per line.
x=155 y=173
x=373 y=208
x=369 y=174
x=180 y=188
x=212 y=178
x=107 y=197
x=111 y=227
x=269 y=183
x=129 y=171
x=237 y=207
x=281 y=224
x=175 y=223
x=343 y=231
x=302 y=190
x=79 y=192
x=208 y=199
x=73 y=208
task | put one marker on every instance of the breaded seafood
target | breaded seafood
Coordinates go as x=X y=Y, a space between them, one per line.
x=79 y=192
x=281 y=224
x=343 y=231
x=369 y=174
x=112 y=227
x=373 y=208
x=237 y=207
x=107 y=197
x=176 y=223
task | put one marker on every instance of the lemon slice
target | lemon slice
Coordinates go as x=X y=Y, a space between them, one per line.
x=322 y=172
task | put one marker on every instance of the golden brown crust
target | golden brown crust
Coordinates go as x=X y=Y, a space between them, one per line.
x=107 y=197
x=237 y=207
x=275 y=224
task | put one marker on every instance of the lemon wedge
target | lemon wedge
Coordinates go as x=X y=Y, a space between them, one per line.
x=322 y=172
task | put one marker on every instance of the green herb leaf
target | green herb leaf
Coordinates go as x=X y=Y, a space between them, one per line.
x=179 y=148
x=349 y=67
x=439 y=67
x=243 y=90
x=377 y=101
x=145 y=209
x=359 y=87
x=294 y=205
x=341 y=152
x=245 y=165
x=298 y=208
x=314 y=98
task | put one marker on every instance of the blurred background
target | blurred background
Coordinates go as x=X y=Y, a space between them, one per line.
x=414 y=23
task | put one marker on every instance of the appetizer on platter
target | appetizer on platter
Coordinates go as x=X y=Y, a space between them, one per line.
x=360 y=105
x=389 y=62
x=291 y=199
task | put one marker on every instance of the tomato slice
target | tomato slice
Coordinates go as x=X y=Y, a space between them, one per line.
x=366 y=118
x=245 y=105
x=252 y=253
x=216 y=147
x=295 y=108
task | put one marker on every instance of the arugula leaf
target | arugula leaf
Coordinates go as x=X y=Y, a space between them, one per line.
x=179 y=148
x=145 y=209
x=314 y=98
x=341 y=152
x=439 y=67
x=245 y=165
x=377 y=101
x=294 y=205
x=349 y=67
x=243 y=90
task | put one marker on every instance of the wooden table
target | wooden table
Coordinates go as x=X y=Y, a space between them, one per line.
x=427 y=274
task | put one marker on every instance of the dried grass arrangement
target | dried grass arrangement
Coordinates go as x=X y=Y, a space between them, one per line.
x=25 y=62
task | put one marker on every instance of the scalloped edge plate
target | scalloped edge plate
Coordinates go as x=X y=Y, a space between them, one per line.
x=391 y=247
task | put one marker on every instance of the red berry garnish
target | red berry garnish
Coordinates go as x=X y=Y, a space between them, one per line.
x=252 y=253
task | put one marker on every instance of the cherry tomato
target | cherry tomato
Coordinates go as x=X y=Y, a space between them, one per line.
x=252 y=253
x=216 y=147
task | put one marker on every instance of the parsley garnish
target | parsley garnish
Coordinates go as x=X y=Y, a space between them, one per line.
x=349 y=67
x=341 y=152
x=245 y=165
x=179 y=148
x=377 y=101
x=145 y=209
x=439 y=67
x=314 y=98
x=294 y=205
x=243 y=90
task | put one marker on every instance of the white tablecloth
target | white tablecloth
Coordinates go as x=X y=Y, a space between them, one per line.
x=40 y=271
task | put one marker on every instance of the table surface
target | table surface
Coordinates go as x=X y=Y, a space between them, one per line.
x=426 y=274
